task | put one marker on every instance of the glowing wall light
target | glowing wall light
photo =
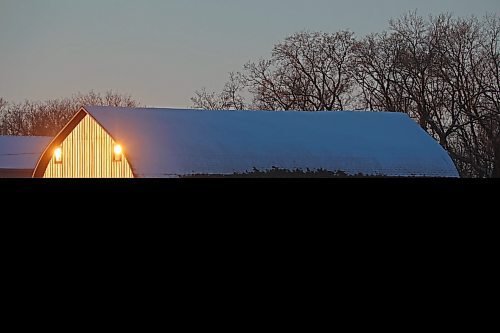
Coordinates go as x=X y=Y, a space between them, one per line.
x=117 y=153
x=58 y=155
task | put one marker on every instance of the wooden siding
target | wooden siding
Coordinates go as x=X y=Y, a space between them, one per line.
x=87 y=152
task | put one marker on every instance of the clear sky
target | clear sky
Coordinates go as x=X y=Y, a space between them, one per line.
x=161 y=51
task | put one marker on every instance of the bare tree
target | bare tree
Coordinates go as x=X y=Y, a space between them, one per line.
x=442 y=72
x=488 y=77
x=109 y=98
x=3 y=109
x=478 y=82
x=307 y=71
x=48 y=118
x=230 y=98
x=377 y=75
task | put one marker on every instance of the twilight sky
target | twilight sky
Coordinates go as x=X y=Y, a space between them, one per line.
x=161 y=51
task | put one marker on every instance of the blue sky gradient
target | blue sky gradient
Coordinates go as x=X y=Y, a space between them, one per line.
x=161 y=51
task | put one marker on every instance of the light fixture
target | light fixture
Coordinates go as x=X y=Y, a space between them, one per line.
x=117 y=153
x=58 y=155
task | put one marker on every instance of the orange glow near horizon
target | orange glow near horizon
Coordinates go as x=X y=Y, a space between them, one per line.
x=58 y=154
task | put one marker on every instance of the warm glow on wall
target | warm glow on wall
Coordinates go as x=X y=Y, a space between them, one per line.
x=118 y=152
x=58 y=154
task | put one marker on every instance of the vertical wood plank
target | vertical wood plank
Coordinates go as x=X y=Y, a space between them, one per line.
x=87 y=152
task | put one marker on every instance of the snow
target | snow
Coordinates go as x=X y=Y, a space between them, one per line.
x=21 y=152
x=173 y=142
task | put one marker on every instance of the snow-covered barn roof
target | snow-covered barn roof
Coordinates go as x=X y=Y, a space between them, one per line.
x=21 y=152
x=171 y=142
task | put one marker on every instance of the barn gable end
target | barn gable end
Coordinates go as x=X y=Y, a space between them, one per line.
x=87 y=152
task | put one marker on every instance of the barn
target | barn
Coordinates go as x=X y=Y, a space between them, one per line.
x=111 y=142
x=19 y=155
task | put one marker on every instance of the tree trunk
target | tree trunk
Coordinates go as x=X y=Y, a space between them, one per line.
x=496 y=161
